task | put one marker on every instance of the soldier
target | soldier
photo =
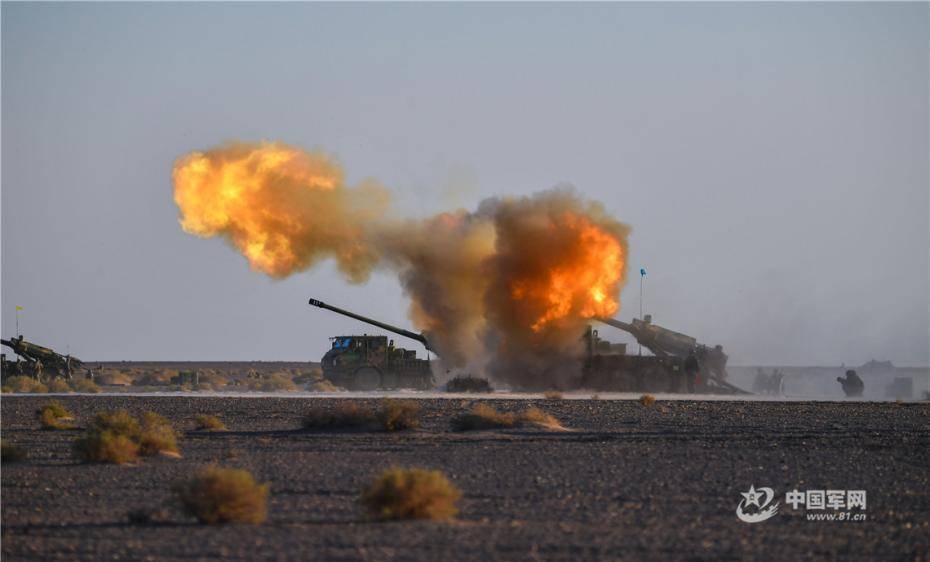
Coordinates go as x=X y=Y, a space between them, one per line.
x=852 y=384
x=38 y=370
x=692 y=367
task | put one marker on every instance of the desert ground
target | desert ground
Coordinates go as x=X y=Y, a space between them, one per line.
x=626 y=481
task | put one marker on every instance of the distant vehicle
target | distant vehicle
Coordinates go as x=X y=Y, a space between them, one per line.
x=364 y=362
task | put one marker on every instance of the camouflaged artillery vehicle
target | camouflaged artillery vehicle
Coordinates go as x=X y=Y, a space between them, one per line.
x=373 y=362
x=608 y=367
x=39 y=362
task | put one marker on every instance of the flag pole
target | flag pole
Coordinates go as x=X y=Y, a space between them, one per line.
x=642 y=298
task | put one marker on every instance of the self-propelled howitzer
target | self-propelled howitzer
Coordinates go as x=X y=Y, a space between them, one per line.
x=662 y=371
x=364 y=362
x=52 y=363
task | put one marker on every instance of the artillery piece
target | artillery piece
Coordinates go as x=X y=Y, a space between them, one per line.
x=372 y=362
x=610 y=368
x=38 y=361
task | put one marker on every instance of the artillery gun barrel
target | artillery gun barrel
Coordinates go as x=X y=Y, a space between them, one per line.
x=661 y=341
x=406 y=333
x=618 y=324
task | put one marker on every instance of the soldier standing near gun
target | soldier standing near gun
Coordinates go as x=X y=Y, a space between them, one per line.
x=852 y=384
x=692 y=367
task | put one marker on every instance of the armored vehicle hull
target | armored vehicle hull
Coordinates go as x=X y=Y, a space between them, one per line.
x=372 y=363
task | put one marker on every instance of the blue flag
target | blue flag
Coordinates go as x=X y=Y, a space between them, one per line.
x=642 y=271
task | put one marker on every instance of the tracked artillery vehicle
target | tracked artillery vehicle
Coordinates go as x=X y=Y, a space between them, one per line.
x=609 y=367
x=40 y=362
x=373 y=362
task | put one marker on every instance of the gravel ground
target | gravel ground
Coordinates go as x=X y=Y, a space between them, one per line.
x=628 y=482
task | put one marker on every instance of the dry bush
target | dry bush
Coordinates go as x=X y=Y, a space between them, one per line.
x=106 y=446
x=398 y=415
x=6 y=389
x=647 y=400
x=224 y=495
x=162 y=378
x=21 y=384
x=59 y=385
x=115 y=379
x=210 y=423
x=314 y=375
x=411 y=493
x=119 y=438
x=277 y=383
x=212 y=381
x=553 y=395
x=535 y=416
x=595 y=396
x=54 y=416
x=483 y=417
x=393 y=415
x=324 y=386
x=342 y=416
x=157 y=436
x=85 y=385
x=468 y=383
x=10 y=452
x=110 y=437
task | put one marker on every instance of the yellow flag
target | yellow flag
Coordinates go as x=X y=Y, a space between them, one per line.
x=18 y=307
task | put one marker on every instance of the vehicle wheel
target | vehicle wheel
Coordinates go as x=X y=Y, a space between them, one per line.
x=367 y=378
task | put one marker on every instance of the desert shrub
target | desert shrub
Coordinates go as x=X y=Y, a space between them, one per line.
x=647 y=400
x=39 y=388
x=112 y=378
x=54 y=416
x=277 y=383
x=483 y=417
x=21 y=384
x=595 y=396
x=119 y=438
x=210 y=423
x=314 y=375
x=392 y=415
x=10 y=452
x=323 y=386
x=212 y=381
x=6 y=389
x=85 y=385
x=155 y=378
x=157 y=436
x=224 y=495
x=398 y=415
x=106 y=446
x=344 y=415
x=553 y=395
x=535 y=416
x=59 y=385
x=468 y=383
x=410 y=493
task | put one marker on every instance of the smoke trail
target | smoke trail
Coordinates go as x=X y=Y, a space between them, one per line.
x=507 y=288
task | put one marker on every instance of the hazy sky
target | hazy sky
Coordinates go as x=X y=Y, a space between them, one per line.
x=772 y=160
